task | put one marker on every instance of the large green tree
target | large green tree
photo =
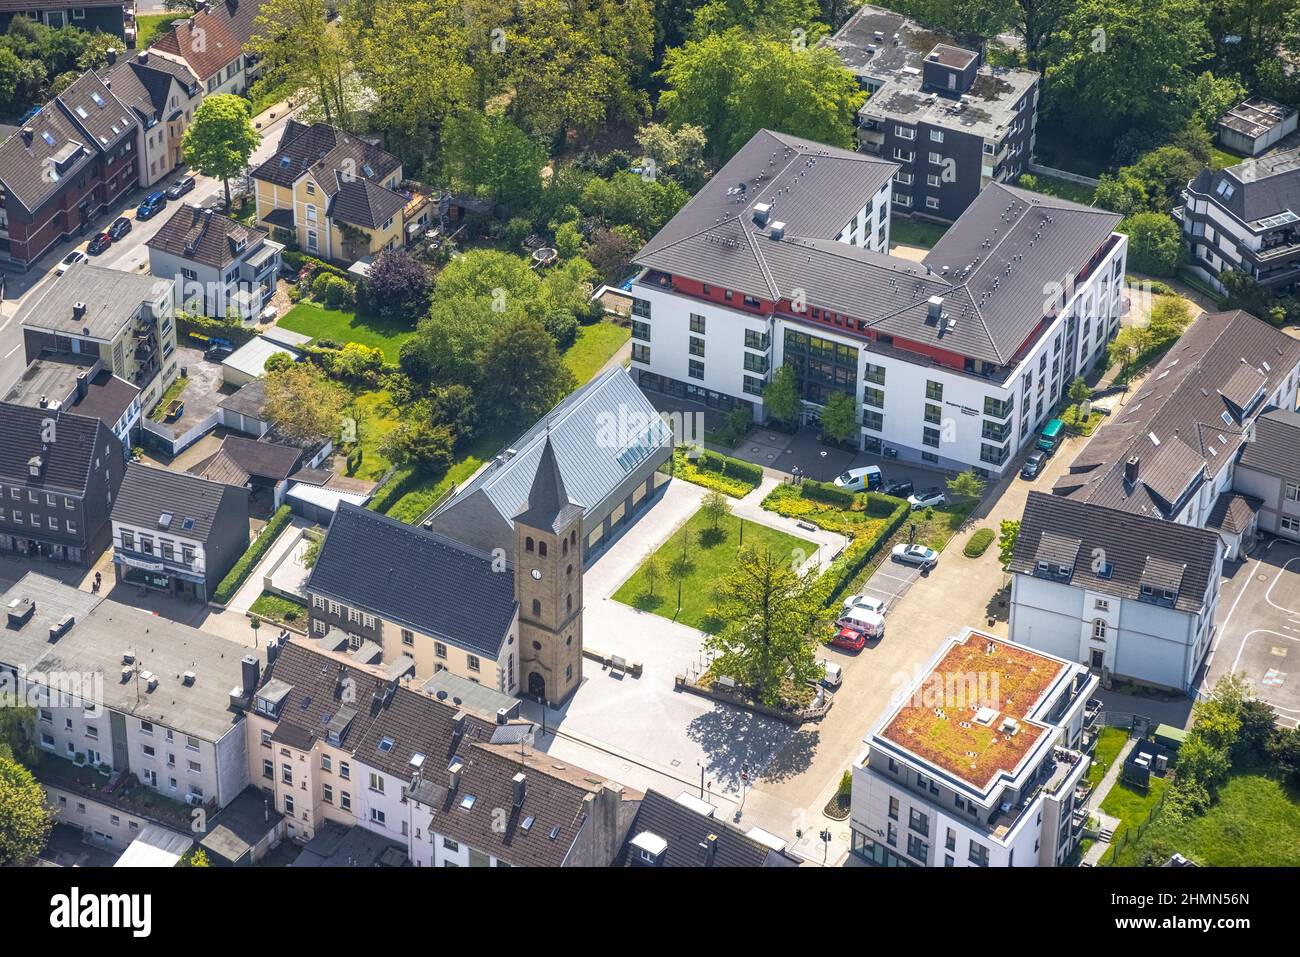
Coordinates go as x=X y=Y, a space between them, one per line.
x=839 y=417
x=521 y=374
x=781 y=397
x=488 y=155
x=771 y=614
x=1155 y=245
x=24 y=819
x=221 y=139
x=299 y=48
x=733 y=84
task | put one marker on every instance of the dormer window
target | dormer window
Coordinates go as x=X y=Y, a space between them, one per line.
x=267 y=707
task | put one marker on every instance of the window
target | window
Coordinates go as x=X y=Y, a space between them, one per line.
x=640 y=330
x=936 y=158
x=933 y=414
x=288 y=805
x=1292 y=492
x=936 y=136
x=932 y=179
x=893 y=809
x=641 y=307
x=376 y=816
x=345 y=771
x=1289 y=524
x=873 y=397
x=327 y=794
x=439 y=649
x=376 y=782
x=268 y=768
x=756 y=340
x=1099 y=629
x=753 y=386
x=874 y=374
x=917 y=848
x=905 y=132
x=873 y=421
x=697 y=324
x=640 y=353
x=696 y=346
x=934 y=390
x=472 y=662
x=979 y=854
x=345 y=800
x=930 y=437
x=918 y=822
x=408 y=637
x=931 y=202
x=695 y=369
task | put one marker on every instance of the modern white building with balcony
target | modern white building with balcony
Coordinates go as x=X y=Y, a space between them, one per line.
x=983 y=762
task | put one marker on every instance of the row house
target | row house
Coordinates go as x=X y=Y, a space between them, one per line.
x=67 y=164
x=335 y=741
x=81 y=385
x=94 y=16
x=163 y=94
x=953 y=362
x=983 y=763
x=211 y=41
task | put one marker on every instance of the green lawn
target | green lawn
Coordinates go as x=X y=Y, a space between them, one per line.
x=1219 y=157
x=1254 y=823
x=1131 y=805
x=595 y=345
x=376 y=417
x=415 y=502
x=313 y=319
x=152 y=26
x=915 y=232
x=272 y=607
x=1063 y=189
x=710 y=561
x=1109 y=744
x=173 y=392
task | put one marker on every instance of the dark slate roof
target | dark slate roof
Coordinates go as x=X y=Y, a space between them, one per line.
x=267 y=460
x=427 y=582
x=684 y=828
x=548 y=506
x=68 y=460
x=190 y=503
x=1175 y=424
x=324 y=151
x=144 y=83
x=207 y=237
x=1261 y=187
x=82 y=122
x=990 y=268
x=250 y=400
x=1137 y=549
x=226 y=25
x=362 y=202
x=107 y=398
x=417 y=723
x=1275 y=449
x=1233 y=512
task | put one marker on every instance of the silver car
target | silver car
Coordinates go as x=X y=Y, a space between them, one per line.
x=915 y=555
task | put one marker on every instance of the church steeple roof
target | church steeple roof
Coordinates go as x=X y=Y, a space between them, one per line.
x=548 y=505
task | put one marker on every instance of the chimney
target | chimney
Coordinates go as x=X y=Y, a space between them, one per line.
x=777 y=231
x=607 y=831
x=251 y=670
x=761 y=213
x=78 y=310
x=453 y=774
x=934 y=307
x=520 y=782
x=1131 y=471
x=81 y=385
x=27 y=135
x=503 y=715
x=708 y=850
x=111 y=54
x=143 y=57
x=35 y=465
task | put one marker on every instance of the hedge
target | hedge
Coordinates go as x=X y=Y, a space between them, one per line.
x=726 y=465
x=978 y=542
x=295 y=260
x=842 y=572
x=826 y=493
x=237 y=575
x=398 y=484
x=232 y=329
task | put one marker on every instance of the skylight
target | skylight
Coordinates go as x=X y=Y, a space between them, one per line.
x=386 y=744
x=99 y=100
x=527 y=825
x=467 y=802
x=45 y=135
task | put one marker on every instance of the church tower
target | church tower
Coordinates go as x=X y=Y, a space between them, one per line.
x=548 y=586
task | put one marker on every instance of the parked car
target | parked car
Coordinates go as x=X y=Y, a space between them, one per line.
x=1049 y=440
x=121 y=226
x=152 y=203
x=834 y=675
x=874 y=605
x=179 y=188
x=1036 y=462
x=915 y=555
x=101 y=242
x=70 y=260
x=900 y=489
x=869 y=623
x=849 y=640
x=865 y=479
x=926 y=498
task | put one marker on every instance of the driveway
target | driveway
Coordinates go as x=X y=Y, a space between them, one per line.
x=1259 y=628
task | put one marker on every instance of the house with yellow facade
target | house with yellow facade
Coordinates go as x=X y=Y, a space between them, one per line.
x=334 y=195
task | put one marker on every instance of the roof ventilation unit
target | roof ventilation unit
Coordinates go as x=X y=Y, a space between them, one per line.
x=761 y=213
x=777 y=231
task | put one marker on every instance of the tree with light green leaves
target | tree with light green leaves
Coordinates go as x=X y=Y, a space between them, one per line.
x=1009 y=532
x=25 y=821
x=298 y=48
x=839 y=417
x=966 y=486
x=221 y=138
x=781 y=397
x=715 y=507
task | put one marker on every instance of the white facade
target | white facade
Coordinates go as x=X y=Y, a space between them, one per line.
x=734 y=365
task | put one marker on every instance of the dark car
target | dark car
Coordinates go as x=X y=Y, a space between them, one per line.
x=179 y=188
x=101 y=242
x=899 y=489
x=121 y=226
x=151 y=205
x=1034 y=464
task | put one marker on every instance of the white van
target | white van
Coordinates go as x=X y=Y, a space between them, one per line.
x=869 y=623
x=866 y=479
x=834 y=675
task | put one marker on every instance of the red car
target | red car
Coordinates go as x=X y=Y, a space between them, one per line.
x=849 y=639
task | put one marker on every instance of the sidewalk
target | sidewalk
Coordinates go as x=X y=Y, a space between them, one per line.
x=1098 y=850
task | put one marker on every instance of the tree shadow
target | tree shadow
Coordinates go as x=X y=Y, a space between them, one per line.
x=647 y=602
x=711 y=537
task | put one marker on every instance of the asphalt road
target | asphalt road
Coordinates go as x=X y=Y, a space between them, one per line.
x=129 y=254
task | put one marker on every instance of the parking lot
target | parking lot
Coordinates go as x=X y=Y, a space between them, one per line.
x=1260 y=629
x=891 y=581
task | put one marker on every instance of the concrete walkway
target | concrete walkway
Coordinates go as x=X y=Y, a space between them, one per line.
x=750 y=508
x=1095 y=853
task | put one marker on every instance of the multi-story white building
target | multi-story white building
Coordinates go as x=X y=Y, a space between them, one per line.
x=982 y=764
x=120 y=691
x=953 y=361
x=1123 y=594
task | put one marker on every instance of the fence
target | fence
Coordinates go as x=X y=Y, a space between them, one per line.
x=1131 y=834
x=1063 y=174
x=174 y=444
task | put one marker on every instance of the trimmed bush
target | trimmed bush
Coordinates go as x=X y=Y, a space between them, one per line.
x=694 y=472
x=237 y=575
x=826 y=493
x=726 y=465
x=844 y=570
x=232 y=329
x=978 y=542
x=399 y=483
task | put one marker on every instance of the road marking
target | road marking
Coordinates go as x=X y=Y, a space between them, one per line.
x=13 y=350
x=1268 y=595
x=1223 y=626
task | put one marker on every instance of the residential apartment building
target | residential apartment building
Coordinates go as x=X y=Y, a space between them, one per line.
x=124 y=320
x=951 y=122
x=1247 y=218
x=177 y=533
x=211 y=43
x=1125 y=595
x=333 y=194
x=66 y=382
x=334 y=742
x=121 y=691
x=686 y=832
x=1268 y=475
x=102 y=16
x=163 y=94
x=63 y=168
x=953 y=361
x=59 y=473
x=983 y=764
x=220 y=265
x=1171 y=451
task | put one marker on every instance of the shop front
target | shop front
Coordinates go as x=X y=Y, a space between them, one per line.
x=158 y=576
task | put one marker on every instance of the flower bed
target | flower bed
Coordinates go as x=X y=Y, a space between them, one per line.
x=721 y=473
